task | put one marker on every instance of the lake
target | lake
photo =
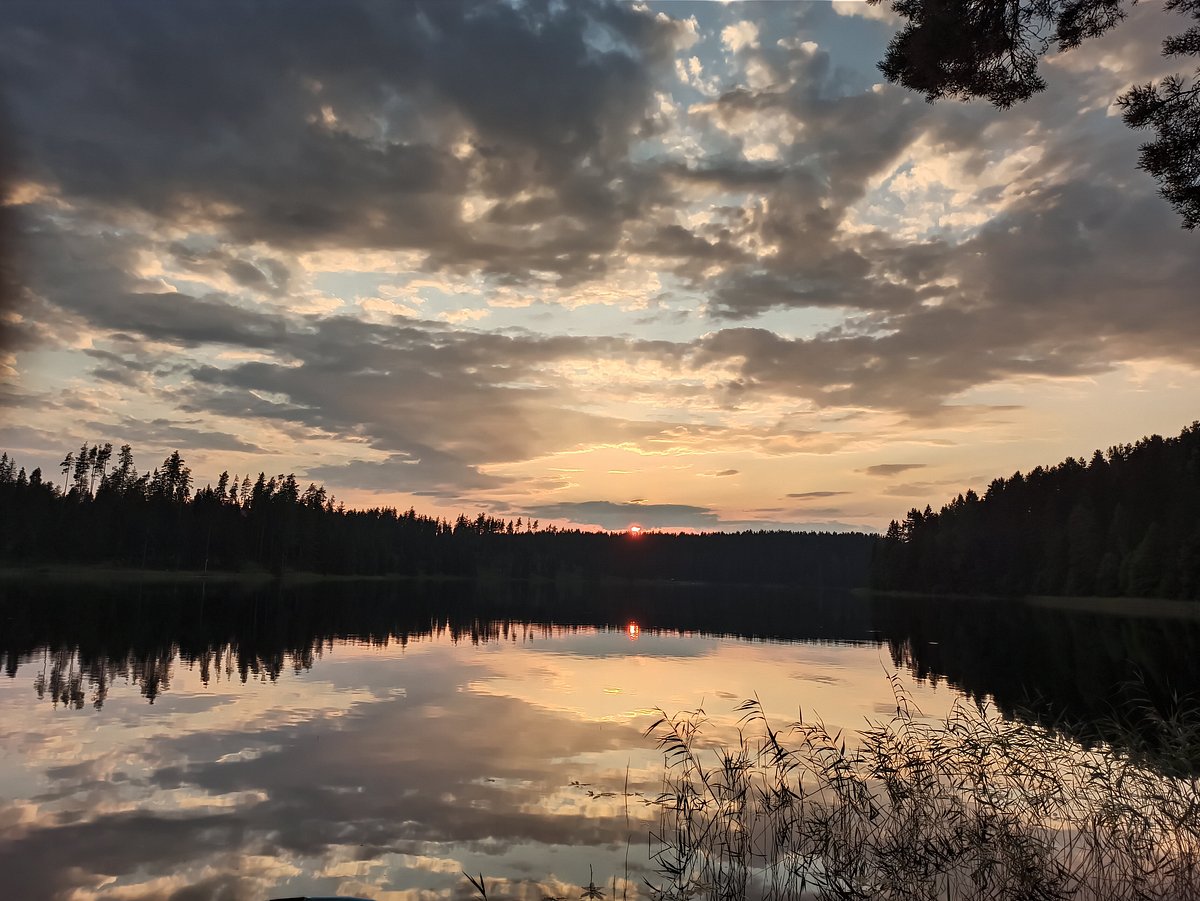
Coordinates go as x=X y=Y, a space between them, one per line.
x=380 y=739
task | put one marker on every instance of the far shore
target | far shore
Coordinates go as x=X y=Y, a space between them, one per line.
x=81 y=574
x=130 y=575
x=1168 y=608
x=116 y=575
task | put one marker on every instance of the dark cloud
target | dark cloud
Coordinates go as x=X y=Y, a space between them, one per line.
x=160 y=435
x=1074 y=275
x=260 y=273
x=616 y=516
x=809 y=495
x=619 y=516
x=426 y=472
x=847 y=137
x=698 y=250
x=90 y=275
x=364 y=124
x=892 y=469
x=11 y=270
x=440 y=402
x=1070 y=280
x=23 y=437
x=927 y=490
x=837 y=280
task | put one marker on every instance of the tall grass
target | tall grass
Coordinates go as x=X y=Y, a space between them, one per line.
x=971 y=806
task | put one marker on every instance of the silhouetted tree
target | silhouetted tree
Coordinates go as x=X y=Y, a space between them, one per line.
x=83 y=466
x=66 y=465
x=124 y=474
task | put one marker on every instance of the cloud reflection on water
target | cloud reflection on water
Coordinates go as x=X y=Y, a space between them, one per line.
x=318 y=745
x=470 y=767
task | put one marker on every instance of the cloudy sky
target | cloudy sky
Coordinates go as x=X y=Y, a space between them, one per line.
x=689 y=265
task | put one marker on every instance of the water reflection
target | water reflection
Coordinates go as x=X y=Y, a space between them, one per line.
x=79 y=644
x=1074 y=666
x=377 y=739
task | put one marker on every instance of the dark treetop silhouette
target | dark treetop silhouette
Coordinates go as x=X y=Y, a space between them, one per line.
x=991 y=48
x=1126 y=522
x=106 y=513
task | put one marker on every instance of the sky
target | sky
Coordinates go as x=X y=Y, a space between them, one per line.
x=689 y=265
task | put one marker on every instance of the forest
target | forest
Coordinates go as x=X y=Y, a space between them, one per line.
x=103 y=512
x=1124 y=523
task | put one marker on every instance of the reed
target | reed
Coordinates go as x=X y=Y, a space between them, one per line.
x=970 y=806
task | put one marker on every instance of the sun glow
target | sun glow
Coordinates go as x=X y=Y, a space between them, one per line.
x=635 y=531
x=633 y=630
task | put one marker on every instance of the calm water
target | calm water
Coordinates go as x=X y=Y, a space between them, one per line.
x=371 y=740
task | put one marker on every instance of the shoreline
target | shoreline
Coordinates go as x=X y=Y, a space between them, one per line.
x=82 y=574
x=1164 y=608
x=129 y=575
x=69 y=573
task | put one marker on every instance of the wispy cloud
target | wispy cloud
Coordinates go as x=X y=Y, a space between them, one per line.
x=892 y=469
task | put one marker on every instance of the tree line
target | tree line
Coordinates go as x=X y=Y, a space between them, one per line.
x=1124 y=523
x=99 y=510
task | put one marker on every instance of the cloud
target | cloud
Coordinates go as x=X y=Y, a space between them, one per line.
x=1039 y=285
x=434 y=403
x=880 y=12
x=93 y=276
x=740 y=36
x=282 y=129
x=259 y=273
x=892 y=469
x=1069 y=281
x=619 y=516
x=425 y=472
x=830 y=143
x=161 y=434
x=928 y=490
x=809 y=495
x=616 y=516
x=441 y=399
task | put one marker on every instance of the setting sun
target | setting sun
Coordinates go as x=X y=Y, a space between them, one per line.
x=635 y=531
